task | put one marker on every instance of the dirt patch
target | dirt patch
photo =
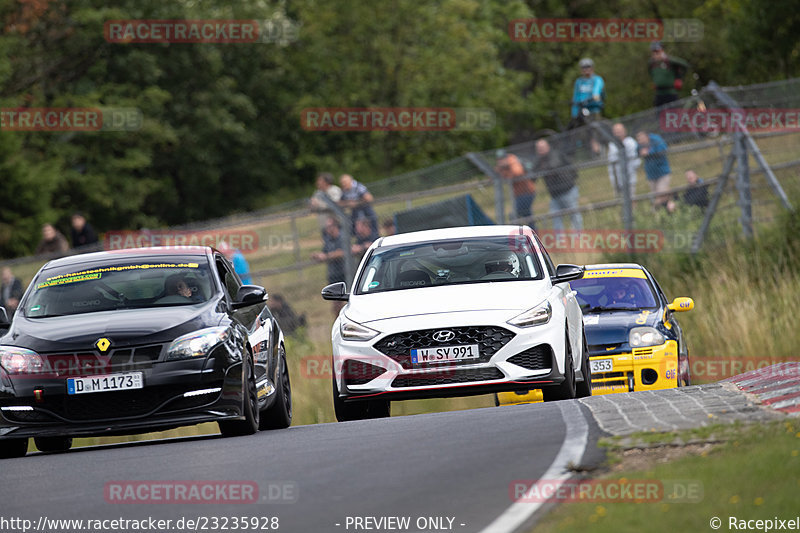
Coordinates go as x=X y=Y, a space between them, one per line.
x=644 y=458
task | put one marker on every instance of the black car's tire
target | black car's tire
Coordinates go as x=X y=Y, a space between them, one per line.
x=279 y=414
x=583 y=388
x=10 y=448
x=248 y=426
x=347 y=411
x=565 y=390
x=53 y=444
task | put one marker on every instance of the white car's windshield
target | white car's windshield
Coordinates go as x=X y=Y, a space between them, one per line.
x=449 y=262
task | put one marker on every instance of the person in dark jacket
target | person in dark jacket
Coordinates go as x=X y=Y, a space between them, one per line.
x=11 y=291
x=697 y=193
x=53 y=242
x=561 y=179
x=82 y=233
x=667 y=73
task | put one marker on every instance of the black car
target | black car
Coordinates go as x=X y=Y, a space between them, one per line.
x=130 y=341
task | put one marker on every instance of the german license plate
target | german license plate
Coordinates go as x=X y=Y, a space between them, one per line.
x=444 y=354
x=106 y=383
x=601 y=365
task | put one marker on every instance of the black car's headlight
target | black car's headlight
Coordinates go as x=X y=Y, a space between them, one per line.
x=197 y=343
x=533 y=317
x=645 y=336
x=353 y=331
x=16 y=360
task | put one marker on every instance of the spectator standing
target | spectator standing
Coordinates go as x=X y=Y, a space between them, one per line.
x=653 y=150
x=10 y=291
x=52 y=241
x=667 y=73
x=82 y=233
x=589 y=91
x=240 y=264
x=510 y=168
x=561 y=180
x=325 y=188
x=697 y=193
x=364 y=235
x=333 y=254
x=615 y=167
x=357 y=198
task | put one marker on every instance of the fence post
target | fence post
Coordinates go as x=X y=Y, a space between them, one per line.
x=497 y=181
x=743 y=184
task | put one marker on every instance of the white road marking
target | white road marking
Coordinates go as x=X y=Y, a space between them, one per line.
x=575 y=441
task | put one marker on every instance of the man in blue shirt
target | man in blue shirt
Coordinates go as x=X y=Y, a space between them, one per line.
x=589 y=91
x=588 y=100
x=653 y=151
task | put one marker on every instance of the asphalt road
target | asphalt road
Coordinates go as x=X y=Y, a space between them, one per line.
x=454 y=468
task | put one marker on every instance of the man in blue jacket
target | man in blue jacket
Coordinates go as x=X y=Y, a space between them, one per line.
x=653 y=151
x=589 y=94
x=589 y=91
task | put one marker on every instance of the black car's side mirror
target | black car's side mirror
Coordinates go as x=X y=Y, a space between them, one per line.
x=4 y=321
x=249 y=295
x=336 y=291
x=567 y=272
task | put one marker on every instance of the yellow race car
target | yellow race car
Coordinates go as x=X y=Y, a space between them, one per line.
x=634 y=339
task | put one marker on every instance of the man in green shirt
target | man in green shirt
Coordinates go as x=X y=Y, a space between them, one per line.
x=667 y=73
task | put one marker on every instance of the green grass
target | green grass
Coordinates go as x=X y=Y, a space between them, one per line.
x=753 y=474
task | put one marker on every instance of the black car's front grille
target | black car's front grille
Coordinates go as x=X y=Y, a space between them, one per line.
x=358 y=372
x=88 y=362
x=116 y=404
x=488 y=338
x=537 y=358
x=444 y=377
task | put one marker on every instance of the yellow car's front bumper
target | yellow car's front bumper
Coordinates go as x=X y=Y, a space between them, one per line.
x=652 y=368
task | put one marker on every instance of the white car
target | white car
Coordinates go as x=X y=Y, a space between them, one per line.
x=456 y=312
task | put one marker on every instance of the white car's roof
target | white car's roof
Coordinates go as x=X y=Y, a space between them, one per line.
x=452 y=233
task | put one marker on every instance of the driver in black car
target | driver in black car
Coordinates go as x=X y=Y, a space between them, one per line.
x=620 y=295
x=176 y=285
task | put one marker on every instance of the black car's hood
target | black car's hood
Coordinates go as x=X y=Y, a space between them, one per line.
x=122 y=327
x=612 y=327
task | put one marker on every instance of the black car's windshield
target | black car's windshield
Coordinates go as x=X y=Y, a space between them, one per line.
x=600 y=292
x=123 y=285
x=470 y=260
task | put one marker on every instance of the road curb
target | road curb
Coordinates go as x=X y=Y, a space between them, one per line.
x=776 y=387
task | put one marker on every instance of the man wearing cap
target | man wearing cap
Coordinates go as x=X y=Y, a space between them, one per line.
x=667 y=73
x=589 y=90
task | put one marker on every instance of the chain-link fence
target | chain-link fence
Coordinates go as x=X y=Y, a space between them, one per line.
x=747 y=178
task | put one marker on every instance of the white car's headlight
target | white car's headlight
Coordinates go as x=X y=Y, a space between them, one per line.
x=645 y=336
x=533 y=317
x=16 y=360
x=353 y=331
x=197 y=343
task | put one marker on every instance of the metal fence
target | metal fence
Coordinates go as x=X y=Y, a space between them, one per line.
x=749 y=177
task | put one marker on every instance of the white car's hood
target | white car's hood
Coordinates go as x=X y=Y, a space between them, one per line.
x=502 y=295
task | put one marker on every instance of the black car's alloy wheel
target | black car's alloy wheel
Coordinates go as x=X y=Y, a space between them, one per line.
x=248 y=426
x=279 y=415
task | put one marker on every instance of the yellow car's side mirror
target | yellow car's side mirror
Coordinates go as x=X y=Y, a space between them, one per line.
x=680 y=304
